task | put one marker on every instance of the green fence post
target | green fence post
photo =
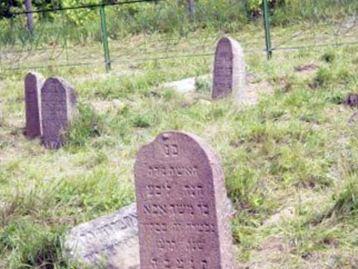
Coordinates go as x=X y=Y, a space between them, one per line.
x=267 y=29
x=107 y=59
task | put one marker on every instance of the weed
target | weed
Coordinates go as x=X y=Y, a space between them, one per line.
x=202 y=85
x=86 y=125
x=328 y=57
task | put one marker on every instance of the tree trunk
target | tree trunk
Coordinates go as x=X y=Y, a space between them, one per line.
x=191 y=8
x=30 y=21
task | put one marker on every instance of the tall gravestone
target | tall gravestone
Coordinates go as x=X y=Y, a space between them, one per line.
x=57 y=109
x=181 y=205
x=33 y=84
x=229 y=69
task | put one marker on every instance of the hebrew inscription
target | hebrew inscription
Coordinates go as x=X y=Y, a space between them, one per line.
x=229 y=69
x=58 y=105
x=181 y=205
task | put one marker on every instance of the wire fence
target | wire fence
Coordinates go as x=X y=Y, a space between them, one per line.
x=54 y=44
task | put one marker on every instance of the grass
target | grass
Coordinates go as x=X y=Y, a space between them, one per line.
x=293 y=150
x=171 y=17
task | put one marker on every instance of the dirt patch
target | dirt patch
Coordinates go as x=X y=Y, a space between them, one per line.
x=306 y=68
x=254 y=90
x=103 y=106
x=269 y=255
x=283 y=215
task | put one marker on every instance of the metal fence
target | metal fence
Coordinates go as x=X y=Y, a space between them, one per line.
x=54 y=44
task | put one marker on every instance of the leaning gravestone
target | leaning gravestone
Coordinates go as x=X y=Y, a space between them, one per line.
x=229 y=69
x=181 y=205
x=109 y=241
x=57 y=109
x=33 y=84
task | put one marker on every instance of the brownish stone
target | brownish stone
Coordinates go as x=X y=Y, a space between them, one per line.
x=57 y=109
x=229 y=69
x=181 y=205
x=33 y=84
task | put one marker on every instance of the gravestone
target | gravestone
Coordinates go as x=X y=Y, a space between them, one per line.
x=57 y=109
x=181 y=205
x=33 y=84
x=109 y=241
x=229 y=69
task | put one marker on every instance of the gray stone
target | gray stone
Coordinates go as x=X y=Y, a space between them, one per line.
x=229 y=70
x=182 y=205
x=109 y=241
x=286 y=214
x=182 y=86
x=33 y=84
x=187 y=85
x=58 y=106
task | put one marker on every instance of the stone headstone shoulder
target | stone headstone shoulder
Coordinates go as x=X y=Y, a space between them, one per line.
x=33 y=84
x=181 y=205
x=110 y=241
x=229 y=69
x=57 y=111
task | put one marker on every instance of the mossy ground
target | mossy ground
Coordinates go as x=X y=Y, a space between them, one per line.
x=290 y=161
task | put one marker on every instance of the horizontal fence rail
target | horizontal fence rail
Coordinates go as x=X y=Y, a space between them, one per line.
x=55 y=45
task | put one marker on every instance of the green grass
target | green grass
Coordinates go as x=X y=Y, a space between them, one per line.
x=294 y=149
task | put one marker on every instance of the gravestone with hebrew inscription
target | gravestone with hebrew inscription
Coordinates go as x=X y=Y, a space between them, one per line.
x=33 y=84
x=58 y=104
x=109 y=241
x=182 y=205
x=229 y=69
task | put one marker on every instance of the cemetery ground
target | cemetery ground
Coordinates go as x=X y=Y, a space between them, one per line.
x=290 y=161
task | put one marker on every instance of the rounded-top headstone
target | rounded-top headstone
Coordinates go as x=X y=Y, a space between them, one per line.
x=58 y=107
x=229 y=69
x=181 y=205
x=33 y=84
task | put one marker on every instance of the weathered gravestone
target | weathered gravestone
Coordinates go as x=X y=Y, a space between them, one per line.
x=181 y=205
x=57 y=109
x=33 y=84
x=110 y=241
x=229 y=69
